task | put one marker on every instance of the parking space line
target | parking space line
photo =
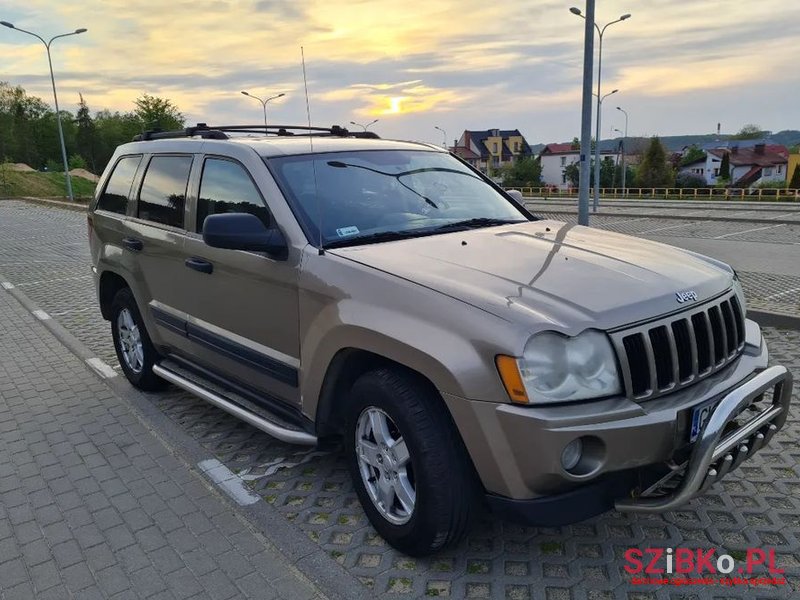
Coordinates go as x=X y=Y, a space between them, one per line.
x=41 y=315
x=6 y=285
x=230 y=483
x=101 y=368
x=724 y=235
x=779 y=294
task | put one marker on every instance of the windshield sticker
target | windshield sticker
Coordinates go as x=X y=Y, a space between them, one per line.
x=346 y=231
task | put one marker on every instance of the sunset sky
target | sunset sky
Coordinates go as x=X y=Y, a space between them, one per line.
x=681 y=67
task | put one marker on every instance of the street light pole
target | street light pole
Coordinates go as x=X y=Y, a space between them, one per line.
x=263 y=104
x=364 y=127
x=55 y=95
x=444 y=134
x=624 y=142
x=576 y=11
x=586 y=113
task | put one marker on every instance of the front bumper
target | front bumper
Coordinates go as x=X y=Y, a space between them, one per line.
x=517 y=450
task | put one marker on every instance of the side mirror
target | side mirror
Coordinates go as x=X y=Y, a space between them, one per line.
x=516 y=195
x=243 y=231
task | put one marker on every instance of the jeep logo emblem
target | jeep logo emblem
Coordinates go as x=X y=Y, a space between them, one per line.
x=689 y=296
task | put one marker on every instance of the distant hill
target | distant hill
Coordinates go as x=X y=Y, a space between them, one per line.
x=675 y=143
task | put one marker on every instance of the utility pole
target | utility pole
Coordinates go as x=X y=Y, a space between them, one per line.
x=586 y=115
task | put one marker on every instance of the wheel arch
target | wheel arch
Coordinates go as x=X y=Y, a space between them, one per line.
x=110 y=283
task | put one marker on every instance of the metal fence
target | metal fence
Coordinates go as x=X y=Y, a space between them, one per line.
x=765 y=194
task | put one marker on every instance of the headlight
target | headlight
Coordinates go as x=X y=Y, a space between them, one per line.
x=555 y=368
x=739 y=290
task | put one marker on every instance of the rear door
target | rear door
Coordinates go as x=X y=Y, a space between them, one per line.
x=156 y=235
x=242 y=312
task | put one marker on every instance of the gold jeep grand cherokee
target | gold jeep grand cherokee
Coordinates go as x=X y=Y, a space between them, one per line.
x=321 y=285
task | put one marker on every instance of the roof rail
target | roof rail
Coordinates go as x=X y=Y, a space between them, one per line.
x=218 y=132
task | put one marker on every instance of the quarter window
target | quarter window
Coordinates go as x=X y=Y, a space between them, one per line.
x=226 y=187
x=163 y=194
x=115 y=196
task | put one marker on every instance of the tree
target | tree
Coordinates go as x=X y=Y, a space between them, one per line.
x=750 y=132
x=725 y=167
x=576 y=144
x=524 y=171
x=158 y=113
x=654 y=171
x=573 y=174
x=794 y=183
x=85 y=136
x=692 y=154
x=606 y=173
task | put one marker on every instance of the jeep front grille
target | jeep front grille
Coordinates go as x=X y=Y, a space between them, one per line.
x=662 y=356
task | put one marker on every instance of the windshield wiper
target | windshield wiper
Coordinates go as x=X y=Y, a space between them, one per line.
x=374 y=238
x=476 y=223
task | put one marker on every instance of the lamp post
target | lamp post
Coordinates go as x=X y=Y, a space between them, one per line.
x=263 y=104
x=364 y=127
x=624 y=141
x=55 y=94
x=577 y=11
x=444 y=133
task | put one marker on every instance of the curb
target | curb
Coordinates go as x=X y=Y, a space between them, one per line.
x=77 y=206
x=310 y=559
x=779 y=320
x=672 y=217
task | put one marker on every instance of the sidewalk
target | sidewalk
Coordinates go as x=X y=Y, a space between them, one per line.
x=93 y=505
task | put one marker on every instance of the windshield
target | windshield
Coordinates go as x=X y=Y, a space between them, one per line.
x=379 y=195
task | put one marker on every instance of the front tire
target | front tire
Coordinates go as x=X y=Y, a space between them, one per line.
x=135 y=351
x=408 y=464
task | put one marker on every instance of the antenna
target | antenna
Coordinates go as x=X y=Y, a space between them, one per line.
x=321 y=250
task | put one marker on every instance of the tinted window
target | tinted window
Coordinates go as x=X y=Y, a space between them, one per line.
x=226 y=187
x=163 y=192
x=115 y=196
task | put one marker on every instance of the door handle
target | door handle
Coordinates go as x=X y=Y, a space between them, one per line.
x=199 y=264
x=133 y=244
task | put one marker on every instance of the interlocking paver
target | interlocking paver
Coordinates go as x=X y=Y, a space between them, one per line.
x=759 y=505
x=74 y=528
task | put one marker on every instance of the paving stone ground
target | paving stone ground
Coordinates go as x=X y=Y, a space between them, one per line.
x=92 y=505
x=758 y=506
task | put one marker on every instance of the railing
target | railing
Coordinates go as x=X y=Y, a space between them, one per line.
x=721 y=194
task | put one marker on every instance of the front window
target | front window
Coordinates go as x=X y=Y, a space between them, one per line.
x=379 y=195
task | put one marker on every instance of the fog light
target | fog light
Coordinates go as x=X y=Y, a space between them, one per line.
x=571 y=454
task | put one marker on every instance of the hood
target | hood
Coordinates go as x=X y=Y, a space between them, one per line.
x=568 y=276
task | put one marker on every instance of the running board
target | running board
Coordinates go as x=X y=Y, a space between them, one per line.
x=284 y=434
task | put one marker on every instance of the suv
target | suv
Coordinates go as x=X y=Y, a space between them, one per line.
x=322 y=285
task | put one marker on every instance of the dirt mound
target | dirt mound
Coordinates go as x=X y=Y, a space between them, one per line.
x=22 y=167
x=85 y=174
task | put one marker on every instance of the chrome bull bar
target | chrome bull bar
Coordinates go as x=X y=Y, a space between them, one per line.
x=716 y=453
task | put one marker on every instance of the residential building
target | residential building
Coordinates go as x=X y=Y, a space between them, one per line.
x=491 y=148
x=555 y=158
x=750 y=165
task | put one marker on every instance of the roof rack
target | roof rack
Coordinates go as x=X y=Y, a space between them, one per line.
x=220 y=132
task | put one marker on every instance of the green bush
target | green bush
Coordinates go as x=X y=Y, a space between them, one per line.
x=76 y=161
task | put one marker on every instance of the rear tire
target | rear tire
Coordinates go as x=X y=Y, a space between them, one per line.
x=135 y=351
x=409 y=466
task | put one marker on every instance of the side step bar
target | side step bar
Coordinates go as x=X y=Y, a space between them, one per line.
x=284 y=434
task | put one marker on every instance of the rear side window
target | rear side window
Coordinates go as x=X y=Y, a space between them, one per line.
x=163 y=193
x=226 y=187
x=115 y=196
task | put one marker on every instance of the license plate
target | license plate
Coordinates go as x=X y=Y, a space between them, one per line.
x=700 y=416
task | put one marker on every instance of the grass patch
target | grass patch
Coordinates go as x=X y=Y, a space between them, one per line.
x=551 y=548
x=41 y=185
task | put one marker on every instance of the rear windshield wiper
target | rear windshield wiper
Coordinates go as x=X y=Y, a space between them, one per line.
x=476 y=223
x=374 y=238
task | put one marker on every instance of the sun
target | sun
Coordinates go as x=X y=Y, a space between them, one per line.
x=394 y=104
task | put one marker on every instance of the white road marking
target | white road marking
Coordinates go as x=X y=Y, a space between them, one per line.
x=41 y=315
x=228 y=481
x=779 y=294
x=270 y=468
x=6 y=285
x=101 y=368
x=719 y=237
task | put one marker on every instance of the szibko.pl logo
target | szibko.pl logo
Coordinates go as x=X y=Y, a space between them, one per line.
x=658 y=565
